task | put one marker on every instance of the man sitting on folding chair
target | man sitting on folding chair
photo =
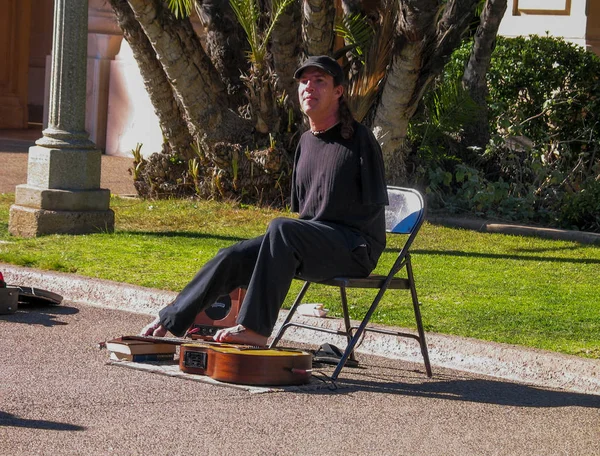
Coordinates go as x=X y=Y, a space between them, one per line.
x=339 y=190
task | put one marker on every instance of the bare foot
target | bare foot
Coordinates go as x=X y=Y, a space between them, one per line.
x=154 y=329
x=240 y=335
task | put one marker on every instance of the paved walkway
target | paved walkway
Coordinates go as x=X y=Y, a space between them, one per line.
x=59 y=397
x=14 y=145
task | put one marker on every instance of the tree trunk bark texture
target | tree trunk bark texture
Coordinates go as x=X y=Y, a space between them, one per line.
x=192 y=75
x=399 y=98
x=286 y=46
x=423 y=47
x=224 y=41
x=318 y=25
x=474 y=78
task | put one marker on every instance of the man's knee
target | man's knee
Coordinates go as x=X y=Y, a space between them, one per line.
x=289 y=233
x=238 y=252
x=283 y=225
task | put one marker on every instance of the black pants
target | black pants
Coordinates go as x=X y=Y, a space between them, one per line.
x=266 y=266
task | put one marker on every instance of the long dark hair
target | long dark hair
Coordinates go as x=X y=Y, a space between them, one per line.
x=346 y=119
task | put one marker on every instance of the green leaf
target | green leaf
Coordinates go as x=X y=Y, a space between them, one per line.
x=180 y=8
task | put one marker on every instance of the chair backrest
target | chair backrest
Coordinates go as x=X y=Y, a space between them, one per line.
x=406 y=211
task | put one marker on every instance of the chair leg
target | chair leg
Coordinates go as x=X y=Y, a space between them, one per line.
x=421 y=331
x=291 y=312
x=356 y=337
x=346 y=319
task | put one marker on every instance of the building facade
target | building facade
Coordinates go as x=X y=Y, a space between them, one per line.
x=577 y=21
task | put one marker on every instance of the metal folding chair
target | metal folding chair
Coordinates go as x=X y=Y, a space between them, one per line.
x=404 y=215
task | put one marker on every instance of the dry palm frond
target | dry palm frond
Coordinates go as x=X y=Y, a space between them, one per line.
x=364 y=87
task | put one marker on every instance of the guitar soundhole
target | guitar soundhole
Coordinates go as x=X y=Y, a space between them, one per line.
x=219 y=309
x=195 y=360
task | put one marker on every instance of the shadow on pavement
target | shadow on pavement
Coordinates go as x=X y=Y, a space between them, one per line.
x=36 y=314
x=8 y=419
x=374 y=379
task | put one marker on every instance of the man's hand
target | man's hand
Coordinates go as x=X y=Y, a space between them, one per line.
x=154 y=329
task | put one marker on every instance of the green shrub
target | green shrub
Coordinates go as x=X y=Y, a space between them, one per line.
x=542 y=162
x=582 y=209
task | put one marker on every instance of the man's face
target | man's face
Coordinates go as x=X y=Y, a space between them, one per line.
x=317 y=94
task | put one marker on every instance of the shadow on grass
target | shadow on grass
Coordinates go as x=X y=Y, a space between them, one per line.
x=8 y=419
x=37 y=314
x=495 y=256
x=185 y=234
x=448 y=387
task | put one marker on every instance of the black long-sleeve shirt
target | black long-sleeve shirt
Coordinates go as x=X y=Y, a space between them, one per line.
x=343 y=182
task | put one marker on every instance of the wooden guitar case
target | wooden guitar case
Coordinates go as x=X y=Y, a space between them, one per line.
x=246 y=365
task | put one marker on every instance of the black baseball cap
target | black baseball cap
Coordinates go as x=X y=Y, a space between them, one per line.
x=325 y=63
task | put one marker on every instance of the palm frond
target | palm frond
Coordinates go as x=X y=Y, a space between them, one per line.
x=247 y=14
x=278 y=7
x=364 y=87
x=450 y=107
x=357 y=32
x=181 y=8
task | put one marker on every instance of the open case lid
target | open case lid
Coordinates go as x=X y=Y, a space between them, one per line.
x=30 y=295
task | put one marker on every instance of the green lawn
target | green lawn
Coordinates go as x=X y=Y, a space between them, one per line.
x=527 y=291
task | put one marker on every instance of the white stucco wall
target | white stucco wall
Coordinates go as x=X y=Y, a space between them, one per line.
x=560 y=18
x=131 y=118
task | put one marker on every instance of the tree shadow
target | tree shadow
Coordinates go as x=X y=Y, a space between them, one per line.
x=453 y=388
x=8 y=419
x=39 y=314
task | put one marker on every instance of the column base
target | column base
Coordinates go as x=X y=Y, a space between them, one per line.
x=32 y=222
x=56 y=199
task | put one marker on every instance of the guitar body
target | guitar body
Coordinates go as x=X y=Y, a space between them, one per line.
x=246 y=365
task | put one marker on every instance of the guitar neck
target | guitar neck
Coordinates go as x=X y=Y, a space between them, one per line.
x=169 y=340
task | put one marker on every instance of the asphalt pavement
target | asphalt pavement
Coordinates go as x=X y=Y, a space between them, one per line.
x=60 y=396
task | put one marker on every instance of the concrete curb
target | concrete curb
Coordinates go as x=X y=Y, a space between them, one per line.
x=518 y=230
x=534 y=367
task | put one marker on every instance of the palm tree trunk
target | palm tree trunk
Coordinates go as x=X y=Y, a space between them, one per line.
x=457 y=16
x=423 y=48
x=285 y=48
x=396 y=108
x=351 y=6
x=317 y=30
x=399 y=98
x=191 y=74
x=161 y=94
x=225 y=44
x=474 y=78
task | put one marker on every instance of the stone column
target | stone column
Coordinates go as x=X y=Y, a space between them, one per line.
x=63 y=193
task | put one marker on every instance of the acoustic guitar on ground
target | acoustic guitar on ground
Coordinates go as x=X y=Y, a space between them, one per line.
x=246 y=365
x=230 y=363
